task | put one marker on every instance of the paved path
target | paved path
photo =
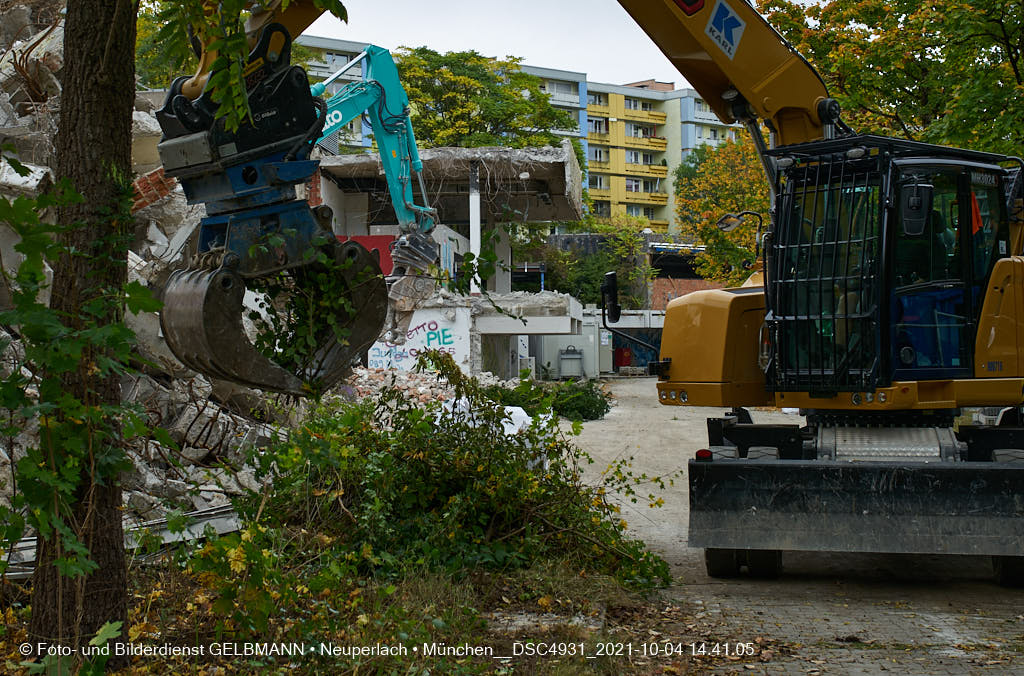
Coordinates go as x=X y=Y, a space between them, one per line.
x=828 y=613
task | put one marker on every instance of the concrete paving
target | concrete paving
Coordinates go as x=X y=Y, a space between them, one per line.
x=827 y=613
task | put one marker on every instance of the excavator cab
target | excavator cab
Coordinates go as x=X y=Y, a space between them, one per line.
x=880 y=257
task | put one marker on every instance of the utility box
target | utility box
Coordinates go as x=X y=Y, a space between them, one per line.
x=570 y=363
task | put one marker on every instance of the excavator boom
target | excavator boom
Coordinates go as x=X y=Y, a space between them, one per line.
x=739 y=64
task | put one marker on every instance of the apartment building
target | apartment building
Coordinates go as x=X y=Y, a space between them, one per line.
x=637 y=135
x=566 y=90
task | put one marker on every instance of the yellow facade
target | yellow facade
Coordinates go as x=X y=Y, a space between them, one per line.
x=627 y=163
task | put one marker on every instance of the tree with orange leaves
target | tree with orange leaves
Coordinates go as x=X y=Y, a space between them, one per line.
x=712 y=182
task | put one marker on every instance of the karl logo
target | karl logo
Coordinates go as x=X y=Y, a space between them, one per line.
x=725 y=28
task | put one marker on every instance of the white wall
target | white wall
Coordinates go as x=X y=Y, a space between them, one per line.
x=444 y=329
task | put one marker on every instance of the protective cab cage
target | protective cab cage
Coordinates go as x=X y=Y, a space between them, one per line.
x=829 y=256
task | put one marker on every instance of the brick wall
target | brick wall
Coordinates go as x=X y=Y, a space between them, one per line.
x=313 y=192
x=665 y=289
x=151 y=188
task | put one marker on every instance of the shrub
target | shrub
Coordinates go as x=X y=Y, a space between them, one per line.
x=575 y=400
x=397 y=486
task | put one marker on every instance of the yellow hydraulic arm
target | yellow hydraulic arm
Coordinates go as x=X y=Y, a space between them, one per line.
x=741 y=66
x=296 y=17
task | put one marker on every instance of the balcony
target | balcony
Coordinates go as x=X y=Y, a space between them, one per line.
x=600 y=167
x=600 y=193
x=658 y=225
x=655 y=143
x=648 y=116
x=599 y=111
x=647 y=170
x=654 y=198
x=594 y=137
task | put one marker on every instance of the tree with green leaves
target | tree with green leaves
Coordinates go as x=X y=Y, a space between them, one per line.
x=469 y=100
x=951 y=74
x=714 y=181
x=71 y=484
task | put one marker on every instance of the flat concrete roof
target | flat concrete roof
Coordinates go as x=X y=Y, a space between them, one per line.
x=516 y=184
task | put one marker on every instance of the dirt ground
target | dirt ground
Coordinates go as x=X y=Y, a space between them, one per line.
x=827 y=613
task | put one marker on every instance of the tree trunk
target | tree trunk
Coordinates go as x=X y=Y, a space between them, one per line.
x=93 y=150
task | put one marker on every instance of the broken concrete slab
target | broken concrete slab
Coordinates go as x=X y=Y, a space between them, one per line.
x=538 y=184
x=146 y=134
x=38 y=180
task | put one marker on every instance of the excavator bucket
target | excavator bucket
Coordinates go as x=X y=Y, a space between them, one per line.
x=203 y=313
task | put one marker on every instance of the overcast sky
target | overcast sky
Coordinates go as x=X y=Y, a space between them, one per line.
x=596 y=37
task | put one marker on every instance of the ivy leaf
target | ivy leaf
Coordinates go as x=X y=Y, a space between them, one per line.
x=139 y=298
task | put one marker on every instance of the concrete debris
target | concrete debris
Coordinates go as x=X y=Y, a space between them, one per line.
x=39 y=179
x=17 y=25
x=30 y=69
x=216 y=426
x=146 y=134
x=419 y=387
x=524 y=304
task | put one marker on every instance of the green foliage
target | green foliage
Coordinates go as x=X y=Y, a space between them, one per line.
x=304 y=309
x=393 y=488
x=223 y=35
x=575 y=400
x=622 y=248
x=79 y=439
x=469 y=100
x=160 y=56
x=951 y=74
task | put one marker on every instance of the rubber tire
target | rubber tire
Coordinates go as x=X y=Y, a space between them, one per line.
x=764 y=563
x=721 y=563
x=1009 y=570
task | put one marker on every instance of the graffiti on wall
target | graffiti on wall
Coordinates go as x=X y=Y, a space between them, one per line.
x=431 y=329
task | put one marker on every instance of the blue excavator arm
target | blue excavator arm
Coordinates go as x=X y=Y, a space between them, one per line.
x=382 y=98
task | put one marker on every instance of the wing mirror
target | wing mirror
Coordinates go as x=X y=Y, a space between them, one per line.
x=610 y=296
x=916 y=208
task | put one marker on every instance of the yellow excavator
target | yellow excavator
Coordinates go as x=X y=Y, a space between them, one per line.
x=892 y=300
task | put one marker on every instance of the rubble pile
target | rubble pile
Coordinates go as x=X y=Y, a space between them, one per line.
x=216 y=425
x=421 y=387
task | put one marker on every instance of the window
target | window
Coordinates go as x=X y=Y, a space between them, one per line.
x=597 y=99
x=649 y=213
x=556 y=87
x=602 y=208
x=646 y=105
x=700 y=131
x=713 y=134
x=637 y=157
x=597 y=153
x=597 y=125
x=598 y=181
x=634 y=185
x=634 y=210
x=632 y=104
x=985 y=219
x=701 y=106
x=651 y=185
x=639 y=130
